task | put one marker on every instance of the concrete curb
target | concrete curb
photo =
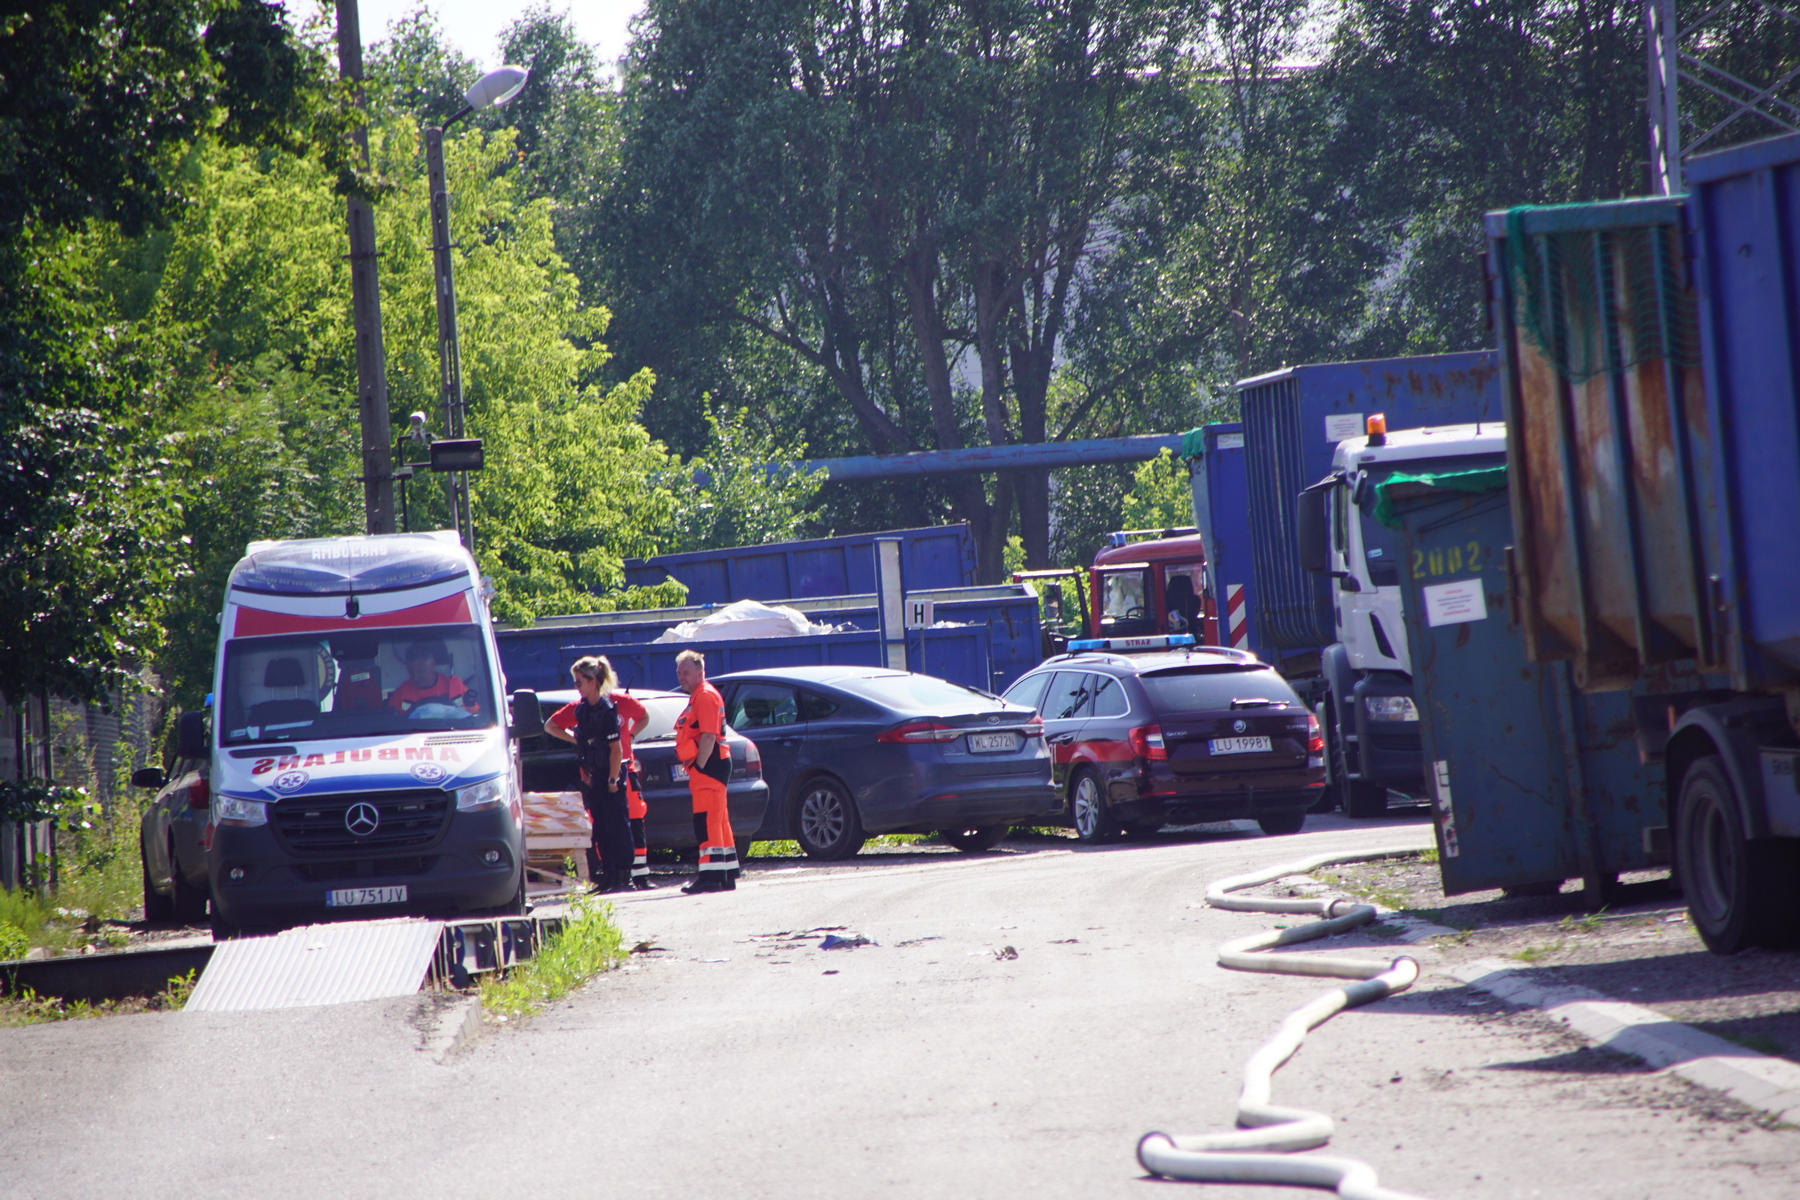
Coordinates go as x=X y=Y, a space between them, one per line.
x=1757 y=1081
x=459 y=1029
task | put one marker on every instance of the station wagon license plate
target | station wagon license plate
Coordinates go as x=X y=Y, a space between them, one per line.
x=349 y=897
x=1241 y=745
x=991 y=742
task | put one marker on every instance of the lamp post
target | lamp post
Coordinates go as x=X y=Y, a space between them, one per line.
x=496 y=87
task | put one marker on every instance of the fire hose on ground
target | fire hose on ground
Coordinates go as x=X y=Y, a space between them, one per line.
x=1261 y=1149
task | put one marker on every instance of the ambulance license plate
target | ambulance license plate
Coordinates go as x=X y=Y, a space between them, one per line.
x=1243 y=745
x=350 y=897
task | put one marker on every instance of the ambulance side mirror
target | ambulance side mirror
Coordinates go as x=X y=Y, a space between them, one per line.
x=527 y=717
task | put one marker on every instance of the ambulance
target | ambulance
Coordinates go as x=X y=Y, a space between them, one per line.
x=362 y=763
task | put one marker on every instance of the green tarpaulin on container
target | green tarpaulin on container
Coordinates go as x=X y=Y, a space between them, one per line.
x=1193 y=443
x=1483 y=479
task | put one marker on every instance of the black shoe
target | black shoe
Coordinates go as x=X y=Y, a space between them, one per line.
x=730 y=882
x=642 y=883
x=703 y=882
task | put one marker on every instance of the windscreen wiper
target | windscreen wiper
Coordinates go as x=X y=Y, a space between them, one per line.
x=1257 y=703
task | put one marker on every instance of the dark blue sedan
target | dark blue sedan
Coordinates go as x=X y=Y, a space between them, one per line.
x=854 y=751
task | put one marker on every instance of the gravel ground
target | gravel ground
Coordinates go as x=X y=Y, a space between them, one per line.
x=1645 y=952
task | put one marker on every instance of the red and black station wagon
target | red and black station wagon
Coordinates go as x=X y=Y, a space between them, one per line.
x=1179 y=734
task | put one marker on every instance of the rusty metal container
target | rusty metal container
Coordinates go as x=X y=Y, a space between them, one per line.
x=1609 y=437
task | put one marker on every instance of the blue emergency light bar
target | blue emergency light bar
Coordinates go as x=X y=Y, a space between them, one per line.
x=1167 y=641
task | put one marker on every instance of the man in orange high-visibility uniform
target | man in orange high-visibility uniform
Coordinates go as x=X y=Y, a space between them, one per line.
x=701 y=748
x=632 y=719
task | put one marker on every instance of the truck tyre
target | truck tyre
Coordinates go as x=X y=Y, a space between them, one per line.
x=187 y=903
x=158 y=908
x=825 y=821
x=976 y=839
x=1087 y=809
x=1741 y=892
x=1358 y=798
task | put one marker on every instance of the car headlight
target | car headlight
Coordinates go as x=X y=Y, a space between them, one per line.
x=1390 y=708
x=491 y=793
x=236 y=810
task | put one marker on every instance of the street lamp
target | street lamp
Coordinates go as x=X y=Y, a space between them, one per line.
x=496 y=87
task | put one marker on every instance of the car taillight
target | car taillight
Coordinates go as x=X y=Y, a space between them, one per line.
x=199 y=794
x=1034 y=727
x=1315 y=738
x=921 y=731
x=752 y=758
x=1147 y=742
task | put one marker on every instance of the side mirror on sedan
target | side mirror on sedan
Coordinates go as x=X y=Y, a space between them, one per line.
x=527 y=716
x=149 y=777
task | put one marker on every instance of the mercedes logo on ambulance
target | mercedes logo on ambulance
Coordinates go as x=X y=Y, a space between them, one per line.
x=362 y=819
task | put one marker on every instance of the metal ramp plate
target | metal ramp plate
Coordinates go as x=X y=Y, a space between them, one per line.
x=318 y=964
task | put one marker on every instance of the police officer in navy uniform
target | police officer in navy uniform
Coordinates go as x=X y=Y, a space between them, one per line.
x=602 y=764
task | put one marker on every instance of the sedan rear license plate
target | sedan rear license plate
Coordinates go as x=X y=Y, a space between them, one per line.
x=991 y=742
x=349 y=897
x=1243 y=745
x=678 y=773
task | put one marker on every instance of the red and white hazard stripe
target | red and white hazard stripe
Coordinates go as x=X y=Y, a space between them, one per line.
x=1236 y=617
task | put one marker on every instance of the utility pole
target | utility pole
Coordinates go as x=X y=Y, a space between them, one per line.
x=450 y=390
x=365 y=293
x=1665 y=111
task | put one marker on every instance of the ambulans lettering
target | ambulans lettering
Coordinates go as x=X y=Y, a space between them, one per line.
x=263 y=766
x=388 y=754
x=314 y=760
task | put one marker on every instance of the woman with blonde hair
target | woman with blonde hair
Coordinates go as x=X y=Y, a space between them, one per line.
x=592 y=723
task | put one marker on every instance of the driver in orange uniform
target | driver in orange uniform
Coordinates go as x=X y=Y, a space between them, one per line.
x=426 y=685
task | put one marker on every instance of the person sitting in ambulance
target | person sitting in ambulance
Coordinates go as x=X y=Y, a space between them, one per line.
x=426 y=686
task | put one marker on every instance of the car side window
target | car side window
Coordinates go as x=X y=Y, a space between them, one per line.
x=814 y=707
x=1109 y=696
x=1069 y=698
x=763 y=706
x=1029 y=691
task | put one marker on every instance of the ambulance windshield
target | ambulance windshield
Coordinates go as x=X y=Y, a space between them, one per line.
x=368 y=683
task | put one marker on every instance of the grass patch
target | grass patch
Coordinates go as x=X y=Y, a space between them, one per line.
x=1429 y=856
x=587 y=945
x=29 y=1008
x=1531 y=954
x=1588 y=924
x=788 y=849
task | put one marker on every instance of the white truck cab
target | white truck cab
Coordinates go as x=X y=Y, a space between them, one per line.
x=1370 y=717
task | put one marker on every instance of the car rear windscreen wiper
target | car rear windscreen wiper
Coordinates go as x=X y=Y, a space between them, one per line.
x=1258 y=702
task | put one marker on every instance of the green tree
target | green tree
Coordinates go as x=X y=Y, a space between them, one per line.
x=882 y=190
x=729 y=497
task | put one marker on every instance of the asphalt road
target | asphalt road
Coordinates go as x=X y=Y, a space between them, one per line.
x=738 y=1064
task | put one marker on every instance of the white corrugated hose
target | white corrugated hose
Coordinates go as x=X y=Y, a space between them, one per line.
x=1260 y=1151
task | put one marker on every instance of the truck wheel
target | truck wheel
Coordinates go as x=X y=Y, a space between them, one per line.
x=158 y=908
x=1087 y=808
x=187 y=903
x=1741 y=892
x=825 y=821
x=1358 y=798
x=976 y=839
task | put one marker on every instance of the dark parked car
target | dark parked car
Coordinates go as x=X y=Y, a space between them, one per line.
x=549 y=765
x=1175 y=737
x=172 y=842
x=854 y=751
